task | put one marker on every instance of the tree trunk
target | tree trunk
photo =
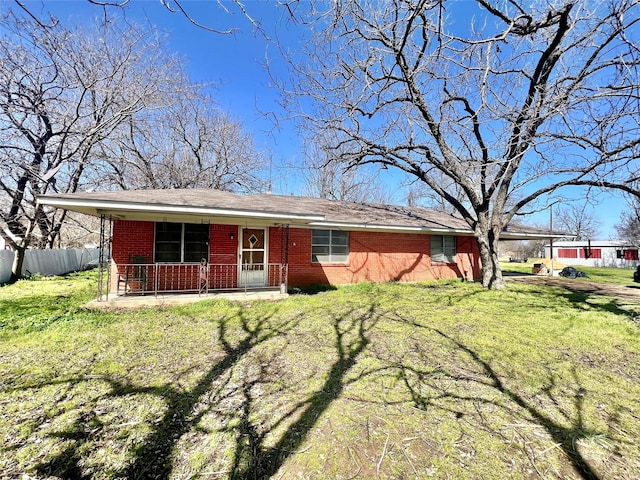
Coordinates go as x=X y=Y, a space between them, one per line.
x=18 y=262
x=488 y=245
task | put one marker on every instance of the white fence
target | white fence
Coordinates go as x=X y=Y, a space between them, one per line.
x=48 y=262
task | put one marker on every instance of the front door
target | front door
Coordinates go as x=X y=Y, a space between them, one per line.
x=253 y=257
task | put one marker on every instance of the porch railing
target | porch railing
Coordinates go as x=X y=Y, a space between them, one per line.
x=154 y=278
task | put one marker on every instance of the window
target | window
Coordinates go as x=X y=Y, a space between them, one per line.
x=181 y=242
x=443 y=249
x=329 y=246
x=631 y=254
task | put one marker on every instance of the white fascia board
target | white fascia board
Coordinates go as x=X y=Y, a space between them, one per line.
x=526 y=236
x=366 y=226
x=102 y=206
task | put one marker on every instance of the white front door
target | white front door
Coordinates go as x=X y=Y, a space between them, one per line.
x=253 y=258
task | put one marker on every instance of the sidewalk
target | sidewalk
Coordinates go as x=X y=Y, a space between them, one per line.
x=139 y=301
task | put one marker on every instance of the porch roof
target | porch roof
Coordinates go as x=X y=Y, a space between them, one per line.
x=215 y=206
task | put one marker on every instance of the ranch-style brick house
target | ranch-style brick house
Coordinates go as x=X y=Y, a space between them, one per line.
x=157 y=238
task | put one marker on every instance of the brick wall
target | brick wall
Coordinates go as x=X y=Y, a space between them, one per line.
x=468 y=258
x=374 y=256
x=277 y=237
x=132 y=239
x=380 y=257
x=222 y=248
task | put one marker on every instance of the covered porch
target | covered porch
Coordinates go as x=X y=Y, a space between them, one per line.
x=253 y=259
x=174 y=278
x=152 y=242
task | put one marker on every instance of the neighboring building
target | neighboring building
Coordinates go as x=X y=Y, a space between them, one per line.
x=595 y=253
x=258 y=241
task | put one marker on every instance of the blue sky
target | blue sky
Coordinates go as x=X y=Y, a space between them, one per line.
x=234 y=64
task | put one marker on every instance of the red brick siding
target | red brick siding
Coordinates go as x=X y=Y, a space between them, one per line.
x=379 y=257
x=468 y=257
x=222 y=248
x=177 y=277
x=374 y=256
x=277 y=235
x=137 y=238
x=132 y=239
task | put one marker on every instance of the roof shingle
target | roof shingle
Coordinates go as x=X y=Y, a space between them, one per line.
x=310 y=211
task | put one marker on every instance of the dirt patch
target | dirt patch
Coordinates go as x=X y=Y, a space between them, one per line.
x=622 y=293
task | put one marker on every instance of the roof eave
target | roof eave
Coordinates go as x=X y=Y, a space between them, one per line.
x=99 y=207
x=528 y=236
x=390 y=228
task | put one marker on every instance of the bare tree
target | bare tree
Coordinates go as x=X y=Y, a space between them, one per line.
x=181 y=7
x=513 y=101
x=191 y=144
x=79 y=231
x=419 y=193
x=577 y=220
x=63 y=92
x=629 y=226
x=325 y=178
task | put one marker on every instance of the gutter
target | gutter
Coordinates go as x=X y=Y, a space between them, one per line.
x=368 y=226
x=102 y=206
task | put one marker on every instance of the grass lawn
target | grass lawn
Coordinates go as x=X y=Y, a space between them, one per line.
x=434 y=380
x=619 y=276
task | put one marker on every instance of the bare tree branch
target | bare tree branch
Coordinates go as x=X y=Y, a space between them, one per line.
x=523 y=100
x=57 y=104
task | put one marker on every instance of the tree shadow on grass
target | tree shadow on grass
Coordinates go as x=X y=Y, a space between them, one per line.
x=154 y=457
x=66 y=464
x=580 y=298
x=483 y=375
x=252 y=458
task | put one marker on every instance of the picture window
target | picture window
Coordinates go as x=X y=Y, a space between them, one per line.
x=181 y=242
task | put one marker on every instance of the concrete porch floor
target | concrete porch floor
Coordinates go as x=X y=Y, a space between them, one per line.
x=166 y=299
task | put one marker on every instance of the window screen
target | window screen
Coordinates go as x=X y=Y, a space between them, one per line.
x=196 y=242
x=329 y=246
x=443 y=249
x=168 y=242
x=181 y=242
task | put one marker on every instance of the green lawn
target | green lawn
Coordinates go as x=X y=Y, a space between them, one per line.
x=434 y=380
x=620 y=276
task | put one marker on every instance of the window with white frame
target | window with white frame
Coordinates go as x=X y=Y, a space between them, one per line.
x=329 y=246
x=181 y=242
x=443 y=249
